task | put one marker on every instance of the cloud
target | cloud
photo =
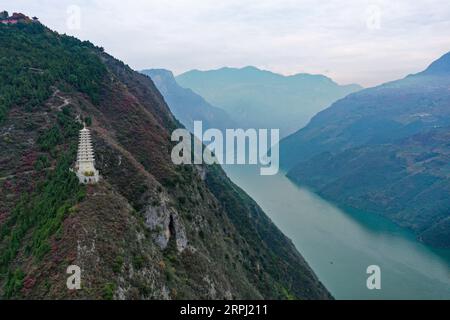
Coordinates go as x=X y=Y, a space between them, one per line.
x=367 y=42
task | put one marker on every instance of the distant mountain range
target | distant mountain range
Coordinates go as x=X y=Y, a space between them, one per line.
x=186 y=105
x=149 y=229
x=384 y=150
x=256 y=98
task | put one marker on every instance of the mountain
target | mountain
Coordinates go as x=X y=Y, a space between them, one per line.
x=186 y=105
x=149 y=229
x=384 y=150
x=261 y=99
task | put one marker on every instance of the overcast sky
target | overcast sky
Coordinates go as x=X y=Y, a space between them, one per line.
x=351 y=41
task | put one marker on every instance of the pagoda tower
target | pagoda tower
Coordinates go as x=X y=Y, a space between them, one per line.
x=85 y=166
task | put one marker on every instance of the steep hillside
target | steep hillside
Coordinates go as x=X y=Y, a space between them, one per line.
x=149 y=229
x=186 y=105
x=261 y=99
x=384 y=150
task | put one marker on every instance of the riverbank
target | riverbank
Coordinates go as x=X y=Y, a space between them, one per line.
x=339 y=245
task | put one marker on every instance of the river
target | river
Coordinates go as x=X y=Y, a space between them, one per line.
x=340 y=245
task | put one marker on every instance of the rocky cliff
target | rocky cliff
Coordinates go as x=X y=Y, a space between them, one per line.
x=149 y=229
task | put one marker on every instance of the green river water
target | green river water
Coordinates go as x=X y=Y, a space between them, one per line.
x=339 y=245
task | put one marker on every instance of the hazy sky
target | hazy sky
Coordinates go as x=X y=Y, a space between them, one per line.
x=366 y=42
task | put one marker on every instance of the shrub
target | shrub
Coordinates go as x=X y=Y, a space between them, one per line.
x=14 y=283
x=108 y=291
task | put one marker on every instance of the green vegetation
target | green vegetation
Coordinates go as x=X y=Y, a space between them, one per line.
x=118 y=263
x=65 y=128
x=31 y=65
x=264 y=244
x=14 y=283
x=41 y=163
x=138 y=261
x=50 y=139
x=39 y=215
x=34 y=61
x=108 y=291
x=34 y=236
x=383 y=150
x=88 y=121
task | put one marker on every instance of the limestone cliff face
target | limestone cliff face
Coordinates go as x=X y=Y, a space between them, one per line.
x=148 y=229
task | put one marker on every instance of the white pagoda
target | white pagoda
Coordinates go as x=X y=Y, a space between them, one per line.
x=85 y=169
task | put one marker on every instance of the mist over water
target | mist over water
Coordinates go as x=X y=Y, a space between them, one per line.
x=340 y=245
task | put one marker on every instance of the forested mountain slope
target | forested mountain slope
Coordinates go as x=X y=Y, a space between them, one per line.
x=384 y=150
x=149 y=229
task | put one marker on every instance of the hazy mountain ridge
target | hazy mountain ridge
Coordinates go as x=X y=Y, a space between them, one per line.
x=262 y=99
x=149 y=229
x=186 y=105
x=383 y=150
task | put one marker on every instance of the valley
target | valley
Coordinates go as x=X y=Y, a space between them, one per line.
x=340 y=244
